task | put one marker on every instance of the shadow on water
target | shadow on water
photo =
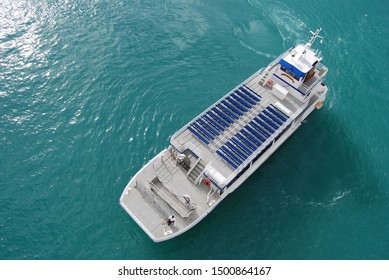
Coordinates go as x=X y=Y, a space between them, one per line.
x=315 y=198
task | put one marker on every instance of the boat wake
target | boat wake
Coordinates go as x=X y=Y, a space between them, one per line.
x=288 y=23
x=335 y=200
x=243 y=44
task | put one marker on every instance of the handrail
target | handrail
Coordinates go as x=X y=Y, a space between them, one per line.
x=201 y=173
x=194 y=165
x=195 y=150
x=151 y=198
x=303 y=88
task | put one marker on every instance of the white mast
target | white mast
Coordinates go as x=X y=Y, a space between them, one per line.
x=313 y=38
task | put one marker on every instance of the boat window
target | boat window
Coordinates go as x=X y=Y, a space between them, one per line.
x=290 y=73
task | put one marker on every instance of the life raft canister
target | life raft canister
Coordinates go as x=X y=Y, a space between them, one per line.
x=207 y=182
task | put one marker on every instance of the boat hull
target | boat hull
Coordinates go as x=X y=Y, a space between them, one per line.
x=213 y=154
x=140 y=219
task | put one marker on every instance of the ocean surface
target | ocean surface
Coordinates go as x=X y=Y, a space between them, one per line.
x=90 y=90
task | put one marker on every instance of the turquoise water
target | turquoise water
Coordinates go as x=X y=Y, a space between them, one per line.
x=91 y=90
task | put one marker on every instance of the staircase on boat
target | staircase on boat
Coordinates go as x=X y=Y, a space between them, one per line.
x=196 y=170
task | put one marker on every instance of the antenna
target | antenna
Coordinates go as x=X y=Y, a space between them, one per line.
x=314 y=35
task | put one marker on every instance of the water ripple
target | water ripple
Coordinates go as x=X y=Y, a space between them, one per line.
x=91 y=90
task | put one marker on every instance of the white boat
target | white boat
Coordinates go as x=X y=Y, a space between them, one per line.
x=213 y=154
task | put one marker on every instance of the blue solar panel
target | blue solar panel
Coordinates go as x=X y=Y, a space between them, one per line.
x=255 y=133
x=231 y=155
x=245 y=97
x=230 y=162
x=239 y=144
x=245 y=141
x=237 y=104
x=241 y=100
x=232 y=108
x=252 y=95
x=236 y=150
x=277 y=113
x=203 y=131
x=280 y=111
x=218 y=119
x=214 y=123
x=198 y=135
x=222 y=115
x=251 y=137
x=227 y=111
x=260 y=129
x=268 y=121
x=208 y=127
x=270 y=115
x=265 y=125
x=252 y=91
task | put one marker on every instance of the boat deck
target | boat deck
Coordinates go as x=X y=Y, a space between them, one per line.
x=223 y=141
x=213 y=154
x=151 y=197
x=237 y=128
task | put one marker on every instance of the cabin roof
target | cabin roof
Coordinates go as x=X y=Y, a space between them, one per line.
x=300 y=60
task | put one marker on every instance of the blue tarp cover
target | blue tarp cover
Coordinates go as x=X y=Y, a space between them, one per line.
x=292 y=68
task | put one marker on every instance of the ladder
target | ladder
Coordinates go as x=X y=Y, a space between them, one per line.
x=267 y=75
